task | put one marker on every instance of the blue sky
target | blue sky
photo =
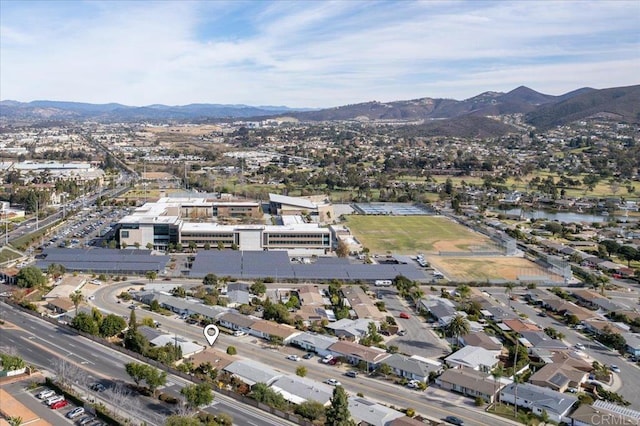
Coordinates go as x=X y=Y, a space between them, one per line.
x=310 y=53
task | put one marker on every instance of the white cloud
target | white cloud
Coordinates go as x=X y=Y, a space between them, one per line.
x=313 y=53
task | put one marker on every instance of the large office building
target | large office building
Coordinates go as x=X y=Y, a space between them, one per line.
x=317 y=207
x=173 y=221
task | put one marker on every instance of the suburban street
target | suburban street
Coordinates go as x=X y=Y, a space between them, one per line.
x=630 y=373
x=39 y=342
x=252 y=348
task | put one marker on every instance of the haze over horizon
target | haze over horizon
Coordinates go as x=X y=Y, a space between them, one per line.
x=310 y=54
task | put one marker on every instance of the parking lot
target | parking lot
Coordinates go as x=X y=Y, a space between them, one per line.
x=49 y=407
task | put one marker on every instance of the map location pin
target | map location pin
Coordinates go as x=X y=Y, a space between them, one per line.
x=211 y=333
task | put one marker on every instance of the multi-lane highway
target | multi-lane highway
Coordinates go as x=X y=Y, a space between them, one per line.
x=252 y=348
x=40 y=342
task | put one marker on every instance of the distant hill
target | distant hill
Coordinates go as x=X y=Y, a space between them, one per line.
x=446 y=117
x=58 y=110
x=619 y=103
x=466 y=126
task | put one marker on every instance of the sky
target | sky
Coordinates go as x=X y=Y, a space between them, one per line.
x=310 y=53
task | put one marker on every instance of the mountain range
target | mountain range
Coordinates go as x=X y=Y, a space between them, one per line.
x=469 y=117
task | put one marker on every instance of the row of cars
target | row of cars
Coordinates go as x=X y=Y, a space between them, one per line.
x=77 y=414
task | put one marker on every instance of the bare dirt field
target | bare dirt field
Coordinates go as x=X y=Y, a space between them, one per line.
x=488 y=268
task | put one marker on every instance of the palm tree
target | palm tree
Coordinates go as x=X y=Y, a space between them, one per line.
x=509 y=290
x=77 y=298
x=457 y=327
x=15 y=421
x=497 y=373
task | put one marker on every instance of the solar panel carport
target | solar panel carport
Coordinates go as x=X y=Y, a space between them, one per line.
x=276 y=264
x=101 y=260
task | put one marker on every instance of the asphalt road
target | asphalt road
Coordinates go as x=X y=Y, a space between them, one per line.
x=420 y=338
x=629 y=372
x=39 y=342
x=256 y=349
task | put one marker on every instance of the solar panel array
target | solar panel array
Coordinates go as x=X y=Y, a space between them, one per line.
x=102 y=260
x=276 y=264
x=396 y=209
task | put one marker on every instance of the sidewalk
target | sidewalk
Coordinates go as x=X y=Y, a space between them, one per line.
x=437 y=394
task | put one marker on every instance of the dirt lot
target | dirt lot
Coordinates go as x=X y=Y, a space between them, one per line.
x=488 y=268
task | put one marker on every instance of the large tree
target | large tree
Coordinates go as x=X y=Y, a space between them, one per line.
x=85 y=323
x=197 y=396
x=111 y=325
x=337 y=413
x=30 y=276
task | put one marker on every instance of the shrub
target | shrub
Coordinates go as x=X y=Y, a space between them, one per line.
x=410 y=412
x=231 y=350
x=479 y=402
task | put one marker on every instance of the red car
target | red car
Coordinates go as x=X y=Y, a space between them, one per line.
x=404 y=315
x=59 y=404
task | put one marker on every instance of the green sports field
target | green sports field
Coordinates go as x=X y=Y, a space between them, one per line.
x=413 y=234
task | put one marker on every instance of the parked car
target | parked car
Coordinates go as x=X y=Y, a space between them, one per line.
x=83 y=421
x=293 y=357
x=239 y=333
x=413 y=384
x=76 y=412
x=614 y=368
x=402 y=333
x=54 y=399
x=404 y=315
x=47 y=393
x=580 y=346
x=542 y=314
x=333 y=361
x=327 y=359
x=454 y=420
x=353 y=374
x=98 y=387
x=308 y=355
x=59 y=404
x=333 y=382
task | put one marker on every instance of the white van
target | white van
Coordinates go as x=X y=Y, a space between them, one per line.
x=383 y=283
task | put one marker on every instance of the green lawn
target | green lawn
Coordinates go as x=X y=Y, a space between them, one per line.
x=410 y=234
x=7 y=254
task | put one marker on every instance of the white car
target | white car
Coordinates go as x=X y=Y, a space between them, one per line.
x=54 y=399
x=333 y=382
x=293 y=357
x=47 y=393
x=580 y=346
x=413 y=384
x=614 y=368
x=239 y=333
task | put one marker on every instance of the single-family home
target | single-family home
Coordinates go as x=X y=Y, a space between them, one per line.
x=217 y=359
x=632 y=343
x=604 y=413
x=60 y=305
x=558 y=377
x=269 y=330
x=187 y=347
x=482 y=340
x=361 y=304
x=238 y=294
x=297 y=390
x=557 y=405
x=413 y=367
x=355 y=353
x=313 y=342
x=351 y=330
x=235 y=321
x=442 y=310
x=540 y=339
x=470 y=383
x=369 y=413
x=252 y=372
x=473 y=357
x=518 y=325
